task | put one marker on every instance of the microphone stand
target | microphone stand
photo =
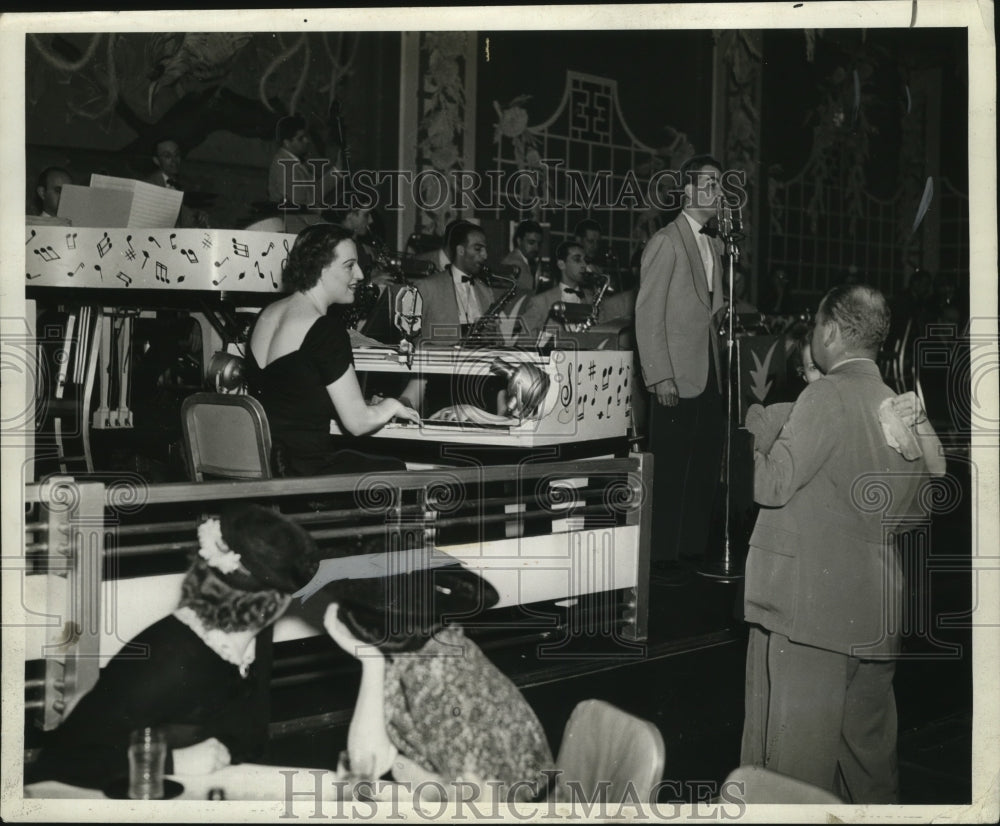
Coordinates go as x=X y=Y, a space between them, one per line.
x=728 y=568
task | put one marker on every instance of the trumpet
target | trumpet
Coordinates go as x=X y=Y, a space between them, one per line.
x=398 y=264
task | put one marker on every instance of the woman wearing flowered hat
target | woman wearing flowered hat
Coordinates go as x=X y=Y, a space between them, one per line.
x=196 y=672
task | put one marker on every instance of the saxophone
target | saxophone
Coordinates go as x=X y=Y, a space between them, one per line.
x=571 y=315
x=484 y=328
x=591 y=319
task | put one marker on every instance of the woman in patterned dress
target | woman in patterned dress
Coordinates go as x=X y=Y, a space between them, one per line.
x=431 y=706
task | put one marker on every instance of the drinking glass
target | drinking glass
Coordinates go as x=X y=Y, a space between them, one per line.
x=147 y=754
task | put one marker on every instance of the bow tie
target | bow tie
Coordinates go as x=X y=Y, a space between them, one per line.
x=709 y=228
x=466 y=278
x=577 y=292
x=170 y=183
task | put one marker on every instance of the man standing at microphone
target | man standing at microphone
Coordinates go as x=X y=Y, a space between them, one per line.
x=680 y=293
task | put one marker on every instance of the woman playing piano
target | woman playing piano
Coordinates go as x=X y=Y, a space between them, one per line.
x=301 y=367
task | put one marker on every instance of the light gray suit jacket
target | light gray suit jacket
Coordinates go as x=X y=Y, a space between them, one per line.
x=674 y=317
x=440 y=321
x=822 y=568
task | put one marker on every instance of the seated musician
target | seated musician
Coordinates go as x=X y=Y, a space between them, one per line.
x=301 y=367
x=536 y=321
x=431 y=706
x=292 y=183
x=588 y=236
x=525 y=257
x=201 y=673
x=167 y=157
x=453 y=301
x=904 y=423
x=48 y=190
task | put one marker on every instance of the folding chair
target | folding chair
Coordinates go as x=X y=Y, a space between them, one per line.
x=226 y=436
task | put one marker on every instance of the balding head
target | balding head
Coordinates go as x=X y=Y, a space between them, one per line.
x=860 y=316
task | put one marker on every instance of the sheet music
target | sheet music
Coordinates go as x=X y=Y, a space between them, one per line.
x=152 y=206
x=87 y=206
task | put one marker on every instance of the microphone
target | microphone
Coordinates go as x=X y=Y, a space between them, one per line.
x=729 y=218
x=570 y=313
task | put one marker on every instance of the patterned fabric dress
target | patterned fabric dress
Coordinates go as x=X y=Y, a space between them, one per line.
x=452 y=711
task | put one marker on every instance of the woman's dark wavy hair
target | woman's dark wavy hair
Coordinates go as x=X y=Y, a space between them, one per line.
x=314 y=250
x=228 y=609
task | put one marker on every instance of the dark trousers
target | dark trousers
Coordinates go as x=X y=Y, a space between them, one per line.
x=686 y=442
x=822 y=717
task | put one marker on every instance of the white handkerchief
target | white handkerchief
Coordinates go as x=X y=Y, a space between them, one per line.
x=897 y=435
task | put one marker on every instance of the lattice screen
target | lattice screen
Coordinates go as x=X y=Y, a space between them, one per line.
x=818 y=247
x=588 y=134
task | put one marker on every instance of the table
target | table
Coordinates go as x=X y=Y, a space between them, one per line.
x=245 y=781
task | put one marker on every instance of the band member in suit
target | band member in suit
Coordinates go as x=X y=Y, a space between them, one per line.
x=535 y=321
x=588 y=236
x=299 y=189
x=680 y=293
x=454 y=299
x=525 y=257
x=167 y=158
x=823 y=578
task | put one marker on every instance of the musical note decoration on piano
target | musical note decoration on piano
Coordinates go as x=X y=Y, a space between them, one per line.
x=606 y=378
x=104 y=246
x=161 y=273
x=190 y=256
x=173 y=243
x=152 y=240
x=269 y=248
x=216 y=283
x=240 y=249
x=78 y=268
x=100 y=272
x=145 y=259
x=130 y=252
x=223 y=261
x=180 y=279
x=260 y=272
x=71 y=240
x=125 y=279
x=273 y=282
x=30 y=277
x=206 y=241
x=284 y=243
x=30 y=238
x=48 y=254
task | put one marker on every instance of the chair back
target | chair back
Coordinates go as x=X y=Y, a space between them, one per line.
x=605 y=749
x=759 y=785
x=226 y=436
